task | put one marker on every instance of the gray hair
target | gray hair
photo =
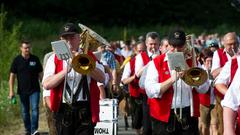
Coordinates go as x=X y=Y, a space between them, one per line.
x=153 y=35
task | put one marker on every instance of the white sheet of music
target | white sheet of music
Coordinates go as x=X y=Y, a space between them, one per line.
x=62 y=50
x=176 y=60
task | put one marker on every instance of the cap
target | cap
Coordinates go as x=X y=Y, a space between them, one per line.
x=177 y=38
x=69 y=29
x=212 y=43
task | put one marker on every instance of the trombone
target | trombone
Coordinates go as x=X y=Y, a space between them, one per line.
x=194 y=77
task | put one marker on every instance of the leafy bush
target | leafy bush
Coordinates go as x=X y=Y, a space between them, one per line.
x=9 y=41
x=8 y=112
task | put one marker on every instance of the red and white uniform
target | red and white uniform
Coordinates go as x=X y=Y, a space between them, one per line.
x=129 y=70
x=142 y=60
x=227 y=73
x=220 y=57
x=160 y=105
x=232 y=96
x=208 y=98
x=54 y=66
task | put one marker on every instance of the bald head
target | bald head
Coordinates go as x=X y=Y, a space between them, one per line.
x=230 y=36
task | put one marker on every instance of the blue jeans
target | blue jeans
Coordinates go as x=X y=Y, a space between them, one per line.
x=31 y=125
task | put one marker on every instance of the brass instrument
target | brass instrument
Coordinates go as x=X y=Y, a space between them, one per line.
x=125 y=62
x=90 y=40
x=83 y=63
x=194 y=76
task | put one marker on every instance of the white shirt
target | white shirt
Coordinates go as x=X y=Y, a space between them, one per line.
x=139 y=61
x=101 y=67
x=73 y=78
x=118 y=51
x=46 y=93
x=126 y=71
x=125 y=53
x=153 y=87
x=216 y=60
x=225 y=75
x=232 y=96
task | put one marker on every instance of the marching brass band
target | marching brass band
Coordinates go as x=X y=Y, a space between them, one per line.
x=164 y=99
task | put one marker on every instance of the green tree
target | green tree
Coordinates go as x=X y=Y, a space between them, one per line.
x=9 y=43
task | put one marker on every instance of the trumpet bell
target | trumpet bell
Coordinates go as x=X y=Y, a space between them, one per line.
x=94 y=35
x=195 y=76
x=83 y=64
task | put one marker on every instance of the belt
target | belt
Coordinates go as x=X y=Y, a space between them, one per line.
x=75 y=106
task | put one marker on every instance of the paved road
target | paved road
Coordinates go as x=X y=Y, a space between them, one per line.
x=43 y=129
x=114 y=128
x=121 y=127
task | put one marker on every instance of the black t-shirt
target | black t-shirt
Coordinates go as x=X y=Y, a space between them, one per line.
x=27 y=71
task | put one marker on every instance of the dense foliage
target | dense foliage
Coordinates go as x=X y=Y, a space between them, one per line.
x=9 y=42
x=125 y=12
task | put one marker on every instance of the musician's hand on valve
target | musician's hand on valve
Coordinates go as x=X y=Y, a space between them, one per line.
x=176 y=75
x=139 y=73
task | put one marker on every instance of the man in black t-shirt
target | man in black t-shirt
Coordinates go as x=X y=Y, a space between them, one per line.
x=28 y=71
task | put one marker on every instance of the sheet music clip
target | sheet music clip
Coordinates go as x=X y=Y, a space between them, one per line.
x=62 y=50
x=176 y=61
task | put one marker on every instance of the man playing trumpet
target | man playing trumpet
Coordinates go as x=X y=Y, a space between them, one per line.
x=81 y=115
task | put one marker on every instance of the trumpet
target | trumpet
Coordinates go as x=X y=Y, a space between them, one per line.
x=90 y=40
x=84 y=63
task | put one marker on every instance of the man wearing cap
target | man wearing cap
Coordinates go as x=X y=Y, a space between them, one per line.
x=162 y=83
x=223 y=77
x=212 y=45
x=80 y=116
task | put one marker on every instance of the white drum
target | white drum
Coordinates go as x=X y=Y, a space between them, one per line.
x=108 y=110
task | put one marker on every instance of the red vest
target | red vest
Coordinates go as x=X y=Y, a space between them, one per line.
x=223 y=59
x=160 y=107
x=119 y=58
x=133 y=86
x=205 y=98
x=145 y=59
x=56 y=93
x=222 y=56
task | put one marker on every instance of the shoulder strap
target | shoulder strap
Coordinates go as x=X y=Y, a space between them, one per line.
x=83 y=85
